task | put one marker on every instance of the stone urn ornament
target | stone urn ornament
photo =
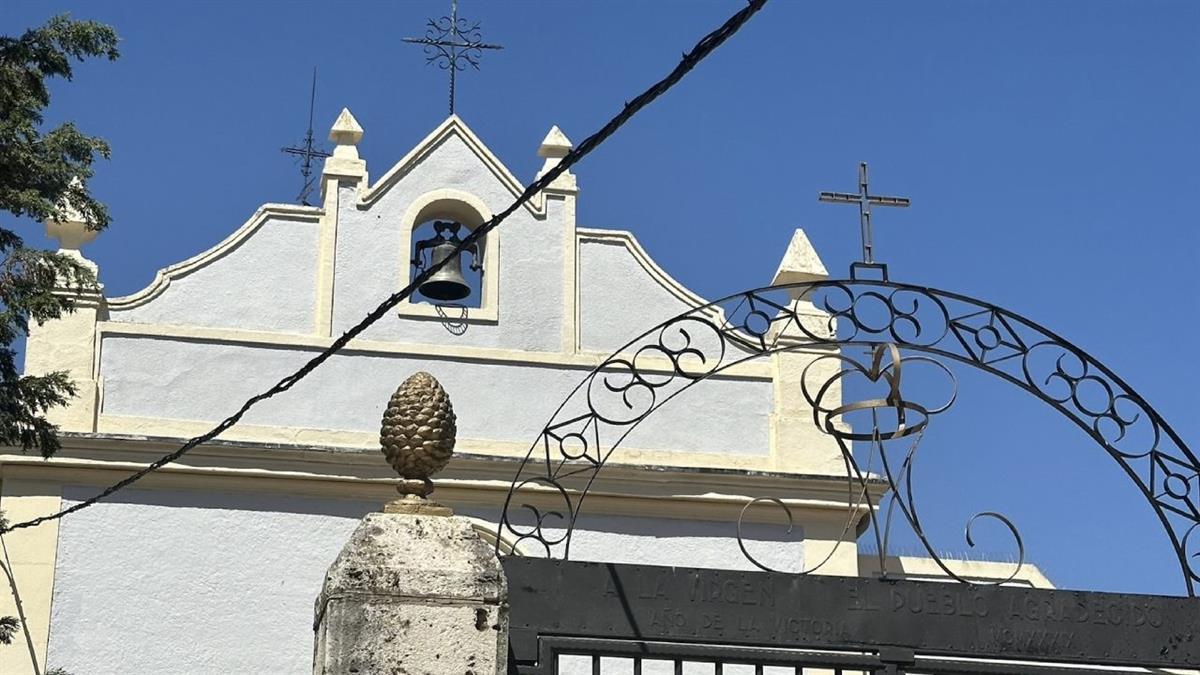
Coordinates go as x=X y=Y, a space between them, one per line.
x=417 y=437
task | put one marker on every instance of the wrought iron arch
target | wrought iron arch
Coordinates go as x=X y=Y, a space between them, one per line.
x=890 y=318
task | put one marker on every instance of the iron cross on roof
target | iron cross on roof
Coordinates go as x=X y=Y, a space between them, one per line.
x=451 y=43
x=865 y=199
x=308 y=150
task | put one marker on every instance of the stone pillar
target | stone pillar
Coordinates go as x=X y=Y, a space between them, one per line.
x=415 y=594
x=69 y=342
x=415 y=590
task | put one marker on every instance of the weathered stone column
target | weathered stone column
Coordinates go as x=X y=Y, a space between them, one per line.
x=415 y=590
x=413 y=594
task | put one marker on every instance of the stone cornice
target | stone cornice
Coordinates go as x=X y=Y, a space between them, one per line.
x=620 y=489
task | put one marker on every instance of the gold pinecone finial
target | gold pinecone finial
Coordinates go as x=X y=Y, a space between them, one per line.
x=417 y=435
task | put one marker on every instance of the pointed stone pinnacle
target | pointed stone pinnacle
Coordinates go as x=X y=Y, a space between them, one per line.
x=800 y=262
x=346 y=130
x=556 y=144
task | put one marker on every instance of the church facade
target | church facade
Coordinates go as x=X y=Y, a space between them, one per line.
x=211 y=564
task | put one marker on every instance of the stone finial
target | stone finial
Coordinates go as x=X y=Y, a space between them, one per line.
x=417 y=437
x=70 y=227
x=346 y=131
x=554 y=147
x=555 y=144
x=800 y=262
x=345 y=163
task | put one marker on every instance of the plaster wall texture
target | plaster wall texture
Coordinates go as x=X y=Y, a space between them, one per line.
x=268 y=281
x=371 y=263
x=171 y=582
x=198 y=583
x=618 y=299
x=691 y=543
x=191 y=380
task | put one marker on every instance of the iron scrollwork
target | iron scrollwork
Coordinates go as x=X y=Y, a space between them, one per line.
x=903 y=326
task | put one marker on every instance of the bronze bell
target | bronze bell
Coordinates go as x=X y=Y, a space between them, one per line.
x=447 y=284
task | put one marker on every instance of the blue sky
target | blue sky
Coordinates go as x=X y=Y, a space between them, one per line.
x=1048 y=147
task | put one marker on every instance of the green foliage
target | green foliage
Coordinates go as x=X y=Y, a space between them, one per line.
x=41 y=172
x=9 y=625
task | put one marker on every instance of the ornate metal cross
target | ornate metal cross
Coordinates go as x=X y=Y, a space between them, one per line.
x=452 y=43
x=307 y=150
x=864 y=200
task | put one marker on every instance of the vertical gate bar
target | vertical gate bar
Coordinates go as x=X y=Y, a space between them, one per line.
x=678 y=667
x=595 y=664
x=758 y=669
x=637 y=665
x=719 y=668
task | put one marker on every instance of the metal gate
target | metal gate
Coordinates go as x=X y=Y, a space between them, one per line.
x=577 y=617
x=574 y=617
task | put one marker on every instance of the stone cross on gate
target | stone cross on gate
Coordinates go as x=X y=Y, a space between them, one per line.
x=864 y=200
x=450 y=41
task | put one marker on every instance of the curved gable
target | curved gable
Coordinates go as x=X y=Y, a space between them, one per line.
x=261 y=277
x=615 y=274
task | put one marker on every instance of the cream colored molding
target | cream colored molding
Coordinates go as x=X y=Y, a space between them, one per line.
x=163 y=277
x=326 y=258
x=926 y=569
x=134 y=426
x=453 y=126
x=571 y=338
x=620 y=489
x=69 y=343
x=30 y=554
x=715 y=313
x=630 y=242
x=471 y=211
x=751 y=370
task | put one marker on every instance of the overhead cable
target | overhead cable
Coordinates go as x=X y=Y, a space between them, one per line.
x=702 y=49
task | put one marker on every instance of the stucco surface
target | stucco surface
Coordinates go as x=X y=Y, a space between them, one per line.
x=166 y=582
x=372 y=265
x=190 y=380
x=618 y=299
x=685 y=543
x=198 y=583
x=266 y=282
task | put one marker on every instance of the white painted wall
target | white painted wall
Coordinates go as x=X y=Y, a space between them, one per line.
x=267 y=282
x=201 y=583
x=371 y=265
x=192 y=380
x=168 y=582
x=618 y=299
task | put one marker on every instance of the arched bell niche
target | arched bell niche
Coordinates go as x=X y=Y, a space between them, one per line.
x=469 y=211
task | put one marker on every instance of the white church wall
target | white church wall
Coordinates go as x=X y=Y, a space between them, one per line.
x=619 y=298
x=682 y=543
x=174 y=582
x=263 y=277
x=374 y=253
x=158 y=581
x=497 y=401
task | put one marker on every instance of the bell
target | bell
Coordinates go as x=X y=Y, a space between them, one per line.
x=447 y=284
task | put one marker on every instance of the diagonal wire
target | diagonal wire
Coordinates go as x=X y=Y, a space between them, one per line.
x=702 y=49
